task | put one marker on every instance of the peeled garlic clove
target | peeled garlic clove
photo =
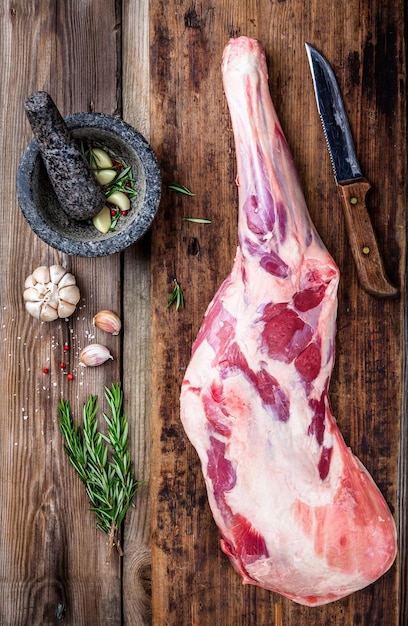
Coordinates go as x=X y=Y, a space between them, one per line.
x=41 y=274
x=94 y=354
x=108 y=321
x=104 y=177
x=102 y=220
x=70 y=294
x=119 y=199
x=65 y=309
x=101 y=159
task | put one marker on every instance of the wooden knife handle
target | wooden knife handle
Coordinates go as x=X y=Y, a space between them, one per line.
x=364 y=246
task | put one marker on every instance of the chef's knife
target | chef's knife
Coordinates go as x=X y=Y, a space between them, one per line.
x=352 y=186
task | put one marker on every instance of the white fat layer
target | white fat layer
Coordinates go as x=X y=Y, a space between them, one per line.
x=276 y=467
x=275 y=461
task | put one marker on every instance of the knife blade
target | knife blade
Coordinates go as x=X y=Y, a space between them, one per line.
x=351 y=184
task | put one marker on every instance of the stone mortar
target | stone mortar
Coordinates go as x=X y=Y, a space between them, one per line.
x=44 y=214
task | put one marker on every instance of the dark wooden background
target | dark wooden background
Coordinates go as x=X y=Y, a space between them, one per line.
x=157 y=64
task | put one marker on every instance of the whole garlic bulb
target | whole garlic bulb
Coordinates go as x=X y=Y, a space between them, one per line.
x=50 y=293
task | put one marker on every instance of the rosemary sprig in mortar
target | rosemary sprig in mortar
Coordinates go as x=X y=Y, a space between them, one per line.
x=122 y=179
x=109 y=480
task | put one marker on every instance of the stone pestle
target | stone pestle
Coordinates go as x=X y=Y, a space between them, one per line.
x=79 y=193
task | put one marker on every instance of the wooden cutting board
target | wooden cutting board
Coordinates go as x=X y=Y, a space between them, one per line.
x=193 y=582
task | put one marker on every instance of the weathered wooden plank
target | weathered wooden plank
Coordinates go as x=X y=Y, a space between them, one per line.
x=53 y=560
x=136 y=587
x=192 y=581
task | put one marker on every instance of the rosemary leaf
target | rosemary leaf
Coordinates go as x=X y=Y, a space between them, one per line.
x=197 y=220
x=180 y=189
x=123 y=173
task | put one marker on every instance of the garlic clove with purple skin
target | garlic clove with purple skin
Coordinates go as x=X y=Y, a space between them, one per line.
x=93 y=355
x=108 y=321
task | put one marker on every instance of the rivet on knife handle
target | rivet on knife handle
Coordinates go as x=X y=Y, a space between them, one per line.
x=362 y=239
x=352 y=185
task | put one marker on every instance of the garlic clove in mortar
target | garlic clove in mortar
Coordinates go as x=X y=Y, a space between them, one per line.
x=104 y=177
x=50 y=293
x=94 y=354
x=108 y=321
x=101 y=159
x=102 y=220
x=119 y=199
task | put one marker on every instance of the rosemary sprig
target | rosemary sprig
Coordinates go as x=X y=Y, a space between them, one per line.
x=180 y=189
x=176 y=297
x=102 y=461
x=124 y=181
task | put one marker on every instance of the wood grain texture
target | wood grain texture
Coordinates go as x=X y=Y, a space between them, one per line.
x=158 y=65
x=136 y=573
x=52 y=558
x=363 y=241
x=193 y=582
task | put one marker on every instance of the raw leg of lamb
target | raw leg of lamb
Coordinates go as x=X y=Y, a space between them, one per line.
x=298 y=513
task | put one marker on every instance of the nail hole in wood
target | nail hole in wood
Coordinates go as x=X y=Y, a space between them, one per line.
x=194 y=246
